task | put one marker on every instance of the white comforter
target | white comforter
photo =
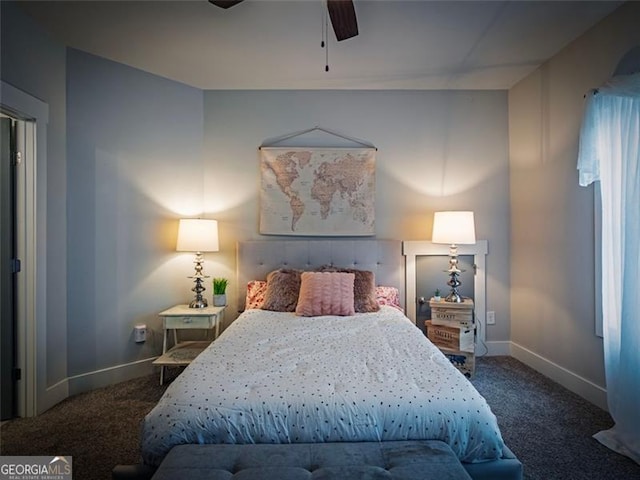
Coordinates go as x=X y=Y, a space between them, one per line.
x=278 y=378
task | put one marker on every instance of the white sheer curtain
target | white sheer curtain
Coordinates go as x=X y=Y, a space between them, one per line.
x=610 y=153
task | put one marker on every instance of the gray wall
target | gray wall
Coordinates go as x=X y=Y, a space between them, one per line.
x=552 y=218
x=134 y=167
x=437 y=150
x=143 y=151
x=130 y=152
x=35 y=64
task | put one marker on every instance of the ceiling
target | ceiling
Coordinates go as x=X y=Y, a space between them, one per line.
x=267 y=44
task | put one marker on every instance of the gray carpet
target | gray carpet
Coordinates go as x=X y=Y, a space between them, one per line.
x=546 y=426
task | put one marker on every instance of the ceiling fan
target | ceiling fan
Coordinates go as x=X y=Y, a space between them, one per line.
x=341 y=12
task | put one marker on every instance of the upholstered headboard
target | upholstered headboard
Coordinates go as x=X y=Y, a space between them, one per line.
x=256 y=258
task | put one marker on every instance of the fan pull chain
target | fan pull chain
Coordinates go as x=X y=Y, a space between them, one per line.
x=326 y=59
x=322 y=20
x=325 y=36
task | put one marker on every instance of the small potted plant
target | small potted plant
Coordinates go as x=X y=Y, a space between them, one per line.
x=436 y=295
x=219 y=291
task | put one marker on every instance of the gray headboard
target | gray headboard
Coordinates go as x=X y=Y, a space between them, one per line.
x=256 y=258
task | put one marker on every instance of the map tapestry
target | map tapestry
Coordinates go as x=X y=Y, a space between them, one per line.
x=317 y=191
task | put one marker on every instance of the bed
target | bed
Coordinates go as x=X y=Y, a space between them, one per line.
x=281 y=377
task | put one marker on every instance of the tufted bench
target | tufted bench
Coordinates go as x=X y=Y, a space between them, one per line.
x=407 y=460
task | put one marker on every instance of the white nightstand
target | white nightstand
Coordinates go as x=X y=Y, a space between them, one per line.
x=181 y=317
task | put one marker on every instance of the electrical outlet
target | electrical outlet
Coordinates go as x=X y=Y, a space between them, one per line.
x=140 y=333
x=491 y=318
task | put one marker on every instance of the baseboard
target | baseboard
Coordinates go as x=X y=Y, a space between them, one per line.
x=498 y=348
x=568 y=379
x=120 y=373
x=52 y=396
x=108 y=376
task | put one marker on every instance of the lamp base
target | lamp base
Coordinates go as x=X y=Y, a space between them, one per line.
x=199 y=303
x=454 y=274
x=453 y=297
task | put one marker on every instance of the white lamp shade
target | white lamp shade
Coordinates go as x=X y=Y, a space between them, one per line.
x=197 y=235
x=453 y=228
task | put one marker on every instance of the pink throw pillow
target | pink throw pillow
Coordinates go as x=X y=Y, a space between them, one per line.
x=325 y=293
x=388 y=296
x=256 y=290
x=364 y=288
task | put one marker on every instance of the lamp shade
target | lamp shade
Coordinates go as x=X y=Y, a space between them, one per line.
x=197 y=235
x=453 y=228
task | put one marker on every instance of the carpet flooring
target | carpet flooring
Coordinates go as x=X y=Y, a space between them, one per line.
x=546 y=426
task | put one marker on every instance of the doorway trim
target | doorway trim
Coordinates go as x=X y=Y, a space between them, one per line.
x=31 y=245
x=479 y=250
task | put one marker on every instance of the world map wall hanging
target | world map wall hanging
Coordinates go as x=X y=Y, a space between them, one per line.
x=317 y=191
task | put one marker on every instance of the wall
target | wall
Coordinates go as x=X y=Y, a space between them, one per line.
x=552 y=218
x=129 y=153
x=35 y=64
x=437 y=150
x=134 y=166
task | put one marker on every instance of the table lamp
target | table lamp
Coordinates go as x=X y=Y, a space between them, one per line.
x=198 y=235
x=453 y=228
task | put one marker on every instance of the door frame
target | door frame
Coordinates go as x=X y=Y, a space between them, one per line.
x=479 y=250
x=31 y=299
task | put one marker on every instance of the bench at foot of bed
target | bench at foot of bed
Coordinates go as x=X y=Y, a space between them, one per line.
x=344 y=461
x=419 y=460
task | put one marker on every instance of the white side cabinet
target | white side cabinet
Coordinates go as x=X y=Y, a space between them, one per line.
x=181 y=317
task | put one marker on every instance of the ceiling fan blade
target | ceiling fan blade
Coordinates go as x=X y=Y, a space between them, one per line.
x=343 y=18
x=225 y=3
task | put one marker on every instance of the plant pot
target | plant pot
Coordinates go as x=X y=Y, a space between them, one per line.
x=220 y=300
x=436 y=298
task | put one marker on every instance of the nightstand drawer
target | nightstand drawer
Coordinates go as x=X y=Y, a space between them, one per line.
x=185 y=322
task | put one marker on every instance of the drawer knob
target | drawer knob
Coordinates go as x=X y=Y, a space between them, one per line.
x=187 y=320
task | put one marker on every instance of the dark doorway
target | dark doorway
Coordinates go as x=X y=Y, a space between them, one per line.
x=9 y=266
